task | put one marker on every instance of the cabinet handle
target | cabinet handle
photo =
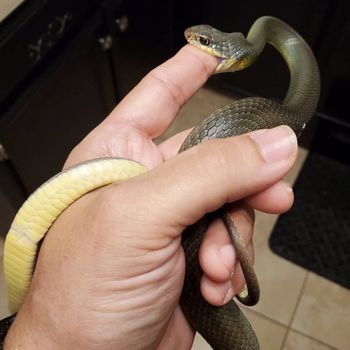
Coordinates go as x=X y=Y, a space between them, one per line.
x=122 y=24
x=106 y=42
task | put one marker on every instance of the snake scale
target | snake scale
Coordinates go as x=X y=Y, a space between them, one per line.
x=223 y=327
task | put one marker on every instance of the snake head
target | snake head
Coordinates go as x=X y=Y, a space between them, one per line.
x=232 y=49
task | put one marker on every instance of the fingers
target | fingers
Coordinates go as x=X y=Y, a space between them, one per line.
x=157 y=206
x=204 y=178
x=147 y=111
x=171 y=146
x=276 y=199
x=223 y=277
x=217 y=256
x=153 y=104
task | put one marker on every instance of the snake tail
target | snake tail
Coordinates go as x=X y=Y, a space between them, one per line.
x=42 y=208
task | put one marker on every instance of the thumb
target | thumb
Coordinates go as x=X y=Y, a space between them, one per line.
x=202 y=179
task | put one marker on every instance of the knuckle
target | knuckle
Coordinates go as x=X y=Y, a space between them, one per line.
x=169 y=86
x=214 y=155
x=227 y=158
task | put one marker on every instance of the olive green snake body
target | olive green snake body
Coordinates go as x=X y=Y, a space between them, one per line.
x=223 y=327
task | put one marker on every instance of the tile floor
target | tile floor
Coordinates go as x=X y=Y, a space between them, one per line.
x=7 y=6
x=298 y=309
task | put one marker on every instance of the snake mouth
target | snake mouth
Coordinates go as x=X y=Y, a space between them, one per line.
x=222 y=63
x=207 y=44
x=193 y=40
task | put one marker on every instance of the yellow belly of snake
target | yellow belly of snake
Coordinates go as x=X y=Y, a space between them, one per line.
x=44 y=206
x=226 y=327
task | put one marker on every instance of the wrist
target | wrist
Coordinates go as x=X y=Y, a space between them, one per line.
x=27 y=332
x=36 y=327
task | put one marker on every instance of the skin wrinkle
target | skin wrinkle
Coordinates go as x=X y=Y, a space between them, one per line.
x=221 y=159
x=132 y=301
x=164 y=82
x=177 y=333
x=142 y=214
x=176 y=93
x=269 y=196
x=165 y=274
x=133 y=292
x=128 y=213
x=133 y=148
x=152 y=257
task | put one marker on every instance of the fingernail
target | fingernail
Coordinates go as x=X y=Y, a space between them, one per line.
x=227 y=256
x=229 y=295
x=275 y=144
x=225 y=289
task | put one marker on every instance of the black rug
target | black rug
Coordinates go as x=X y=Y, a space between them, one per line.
x=315 y=233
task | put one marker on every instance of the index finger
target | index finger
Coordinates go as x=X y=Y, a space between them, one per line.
x=153 y=104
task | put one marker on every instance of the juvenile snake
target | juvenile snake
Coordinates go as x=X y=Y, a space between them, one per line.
x=223 y=327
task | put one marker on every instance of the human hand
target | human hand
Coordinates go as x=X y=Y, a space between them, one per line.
x=110 y=270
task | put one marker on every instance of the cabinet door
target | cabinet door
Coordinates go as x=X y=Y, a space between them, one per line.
x=63 y=104
x=142 y=39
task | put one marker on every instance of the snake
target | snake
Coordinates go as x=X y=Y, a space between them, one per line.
x=223 y=327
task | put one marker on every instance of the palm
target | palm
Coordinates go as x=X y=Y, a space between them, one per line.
x=141 y=148
x=140 y=118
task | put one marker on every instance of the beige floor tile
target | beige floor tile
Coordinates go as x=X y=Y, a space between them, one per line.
x=324 y=312
x=280 y=280
x=195 y=110
x=200 y=343
x=7 y=6
x=269 y=333
x=297 y=341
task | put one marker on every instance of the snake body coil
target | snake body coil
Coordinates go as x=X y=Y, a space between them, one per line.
x=226 y=327
x=223 y=327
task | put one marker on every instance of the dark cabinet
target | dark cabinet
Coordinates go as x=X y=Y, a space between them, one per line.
x=11 y=195
x=74 y=87
x=65 y=100
x=142 y=39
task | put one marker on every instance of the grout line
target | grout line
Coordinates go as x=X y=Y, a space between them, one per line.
x=289 y=328
x=285 y=338
x=294 y=310
x=268 y=318
x=314 y=339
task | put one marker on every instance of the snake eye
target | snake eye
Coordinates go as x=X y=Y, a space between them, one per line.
x=204 y=40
